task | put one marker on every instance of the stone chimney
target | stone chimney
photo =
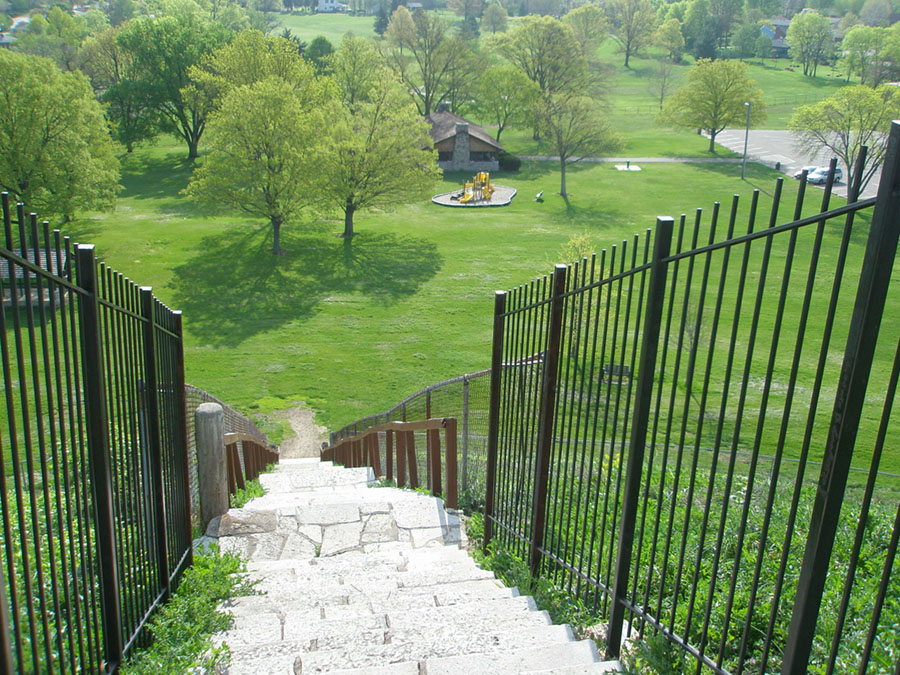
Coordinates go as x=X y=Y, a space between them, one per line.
x=443 y=106
x=461 y=147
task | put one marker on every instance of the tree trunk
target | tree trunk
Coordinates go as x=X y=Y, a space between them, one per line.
x=627 y=54
x=192 y=149
x=349 y=209
x=712 y=141
x=276 y=235
x=562 y=180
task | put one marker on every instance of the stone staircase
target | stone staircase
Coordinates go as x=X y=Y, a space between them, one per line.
x=372 y=581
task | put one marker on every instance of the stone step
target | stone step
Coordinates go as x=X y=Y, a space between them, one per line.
x=559 y=656
x=381 y=599
x=359 y=652
x=599 y=668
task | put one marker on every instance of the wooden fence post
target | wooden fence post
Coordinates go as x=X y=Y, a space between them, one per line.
x=451 y=496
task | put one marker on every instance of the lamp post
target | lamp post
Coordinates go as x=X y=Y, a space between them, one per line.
x=746 y=138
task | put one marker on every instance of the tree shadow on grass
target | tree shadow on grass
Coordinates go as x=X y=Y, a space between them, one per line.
x=234 y=288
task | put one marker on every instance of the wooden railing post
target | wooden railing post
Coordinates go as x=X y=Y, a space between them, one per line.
x=451 y=498
x=154 y=443
x=412 y=462
x=546 y=419
x=389 y=454
x=656 y=292
x=434 y=461
x=98 y=448
x=874 y=281
x=401 y=458
x=465 y=434
x=494 y=417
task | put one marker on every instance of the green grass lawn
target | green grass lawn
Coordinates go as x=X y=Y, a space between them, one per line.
x=331 y=26
x=354 y=327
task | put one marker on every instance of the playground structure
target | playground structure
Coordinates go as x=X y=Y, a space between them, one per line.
x=477 y=192
x=479 y=188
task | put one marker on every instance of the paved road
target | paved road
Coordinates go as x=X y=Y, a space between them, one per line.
x=771 y=146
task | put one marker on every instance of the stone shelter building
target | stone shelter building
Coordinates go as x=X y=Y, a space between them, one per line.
x=462 y=145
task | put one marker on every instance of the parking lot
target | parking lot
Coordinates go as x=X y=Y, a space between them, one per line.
x=777 y=146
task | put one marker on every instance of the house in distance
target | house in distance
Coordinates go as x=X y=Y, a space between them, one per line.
x=462 y=145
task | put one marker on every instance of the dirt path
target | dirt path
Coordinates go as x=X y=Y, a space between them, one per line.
x=309 y=436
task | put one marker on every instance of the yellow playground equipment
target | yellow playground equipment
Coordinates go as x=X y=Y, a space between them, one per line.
x=479 y=188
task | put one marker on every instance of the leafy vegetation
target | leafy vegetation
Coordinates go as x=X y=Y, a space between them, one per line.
x=182 y=628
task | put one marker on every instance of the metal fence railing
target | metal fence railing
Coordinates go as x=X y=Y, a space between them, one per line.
x=692 y=433
x=465 y=398
x=95 y=526
x=658 y=460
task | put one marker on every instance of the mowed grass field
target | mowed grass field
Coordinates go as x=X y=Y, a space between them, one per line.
x=352 y=328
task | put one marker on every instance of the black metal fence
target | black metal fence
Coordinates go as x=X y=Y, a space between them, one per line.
x=687 y=433
x=94 y=488
x=465 y=398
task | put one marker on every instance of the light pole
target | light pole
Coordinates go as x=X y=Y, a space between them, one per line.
x=746 y=138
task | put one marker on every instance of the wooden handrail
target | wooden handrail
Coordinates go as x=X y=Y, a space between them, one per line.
x=364 y=450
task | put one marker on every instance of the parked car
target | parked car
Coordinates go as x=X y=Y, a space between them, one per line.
x=820 y=175
x=808 y=169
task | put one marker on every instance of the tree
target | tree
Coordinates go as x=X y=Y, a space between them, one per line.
x=589 y=28
x=426 y=57
x=724 y=13
x=545 y=50
x=355 y=68
x=763 y=47
x=745 y=40
x=264 y=147
x=57 y=38
x=467 y=9
x=876 y=12
x=318 y=51
x=811 y=40
x=663 y=78
x=575 y=127
x=505 y=96
x=632 y=23
x=700 y=30
x=872 y=53
x=668 y=36
x=494 y=18
x=113 y=76
x=381 y=21
x=56 y=154
x=163 y=50
x=378 y=154
x=714 y=98
x=854 y=116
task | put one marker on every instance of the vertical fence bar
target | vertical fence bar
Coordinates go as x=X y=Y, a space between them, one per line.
x=182 y=447
x=434 y=461
x=546 y=420
x=6 y=650
x=401 y=458
x=412 y=464
x=872 y=291
x=494 y=417
x=154 y=444
x=451 y=496
x=656 y=292
x=98 y=448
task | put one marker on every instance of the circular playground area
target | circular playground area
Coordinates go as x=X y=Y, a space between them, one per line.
x=479 y=192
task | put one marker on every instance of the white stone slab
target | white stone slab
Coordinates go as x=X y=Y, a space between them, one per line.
x=340 y=538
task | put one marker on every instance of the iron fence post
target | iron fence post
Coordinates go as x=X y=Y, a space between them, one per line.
x=546 y=419
x=656 y=293
x=151 y=405
x=465 y=434
x=862 y=337
x=493 y=417
x=98 y=448
x=182 y=449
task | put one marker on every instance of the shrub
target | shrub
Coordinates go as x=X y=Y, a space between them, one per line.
x=509 y=162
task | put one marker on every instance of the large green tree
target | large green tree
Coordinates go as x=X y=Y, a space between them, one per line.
x=632 y=23
x=589 y=28
x=575 y=128
x=854 y=116
x=714 y=98
x=56 y=154
x=264 y=150
x=163 y=50
x=377 y=153
x=811 y=40
x=505 y=96
x=426 y=56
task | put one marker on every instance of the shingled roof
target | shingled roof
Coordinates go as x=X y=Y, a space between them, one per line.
x=443 y=126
